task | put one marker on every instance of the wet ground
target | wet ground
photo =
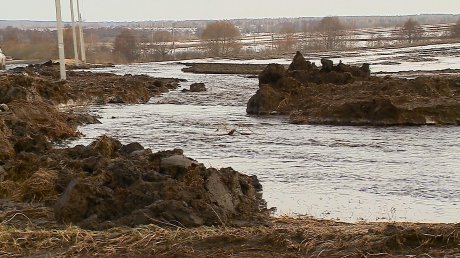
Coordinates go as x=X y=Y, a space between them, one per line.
x=346 y=173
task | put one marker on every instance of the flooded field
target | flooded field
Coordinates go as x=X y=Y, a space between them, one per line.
x=346 y=173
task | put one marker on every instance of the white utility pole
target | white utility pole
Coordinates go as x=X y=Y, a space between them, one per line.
x=60 y=40
x=174 y=42
x=74 y=34
x=82 y=40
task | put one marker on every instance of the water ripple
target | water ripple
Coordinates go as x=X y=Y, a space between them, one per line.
x=349 y=173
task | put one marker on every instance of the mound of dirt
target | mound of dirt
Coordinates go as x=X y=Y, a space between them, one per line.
x=346 y=95
x=108 y=184
x=41 y=81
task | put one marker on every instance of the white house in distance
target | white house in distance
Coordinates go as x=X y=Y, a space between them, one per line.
x=2 y=60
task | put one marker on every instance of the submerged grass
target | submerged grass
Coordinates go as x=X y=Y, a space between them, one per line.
x=284 y=237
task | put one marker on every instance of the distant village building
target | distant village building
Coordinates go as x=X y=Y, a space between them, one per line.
x=2 y=60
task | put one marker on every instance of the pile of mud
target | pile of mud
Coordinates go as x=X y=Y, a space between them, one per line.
x=106 y=184
x=346 y=95
x=87 y=87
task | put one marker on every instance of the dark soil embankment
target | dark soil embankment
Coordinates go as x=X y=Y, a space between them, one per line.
x=346 y=95
x=223 y=68
x=85 y=87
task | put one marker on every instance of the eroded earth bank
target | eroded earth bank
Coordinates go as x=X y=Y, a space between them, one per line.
x=346 y=95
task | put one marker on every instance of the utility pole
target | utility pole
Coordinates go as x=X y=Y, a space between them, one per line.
x=174 y=42
x=60 y=40
x=74 y=34
x=273 y=41
x=153 y=33
x=82 y=40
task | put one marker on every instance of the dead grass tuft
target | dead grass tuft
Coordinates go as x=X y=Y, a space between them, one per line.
x=40 y=186
x=8 y=189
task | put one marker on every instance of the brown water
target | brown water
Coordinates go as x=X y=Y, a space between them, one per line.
x=346 y=173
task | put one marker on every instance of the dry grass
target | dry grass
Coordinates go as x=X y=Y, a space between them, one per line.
x=286 y=237
x=40 y=186
x=9 y=189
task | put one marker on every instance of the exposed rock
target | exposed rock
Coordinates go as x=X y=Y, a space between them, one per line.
x=4 y=107
x=219 y=193
x=175 y=165
x=198 y=87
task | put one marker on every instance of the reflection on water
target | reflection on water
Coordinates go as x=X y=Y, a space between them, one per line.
x=348 y=173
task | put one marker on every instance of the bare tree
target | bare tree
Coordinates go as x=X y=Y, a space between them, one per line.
x=411 y=30
x=68 y=41
x=221 y=38
x=126 y=45
x=330 y=29
x=376 y=41
x=162 y=43
x=456 y=30
x=288 y=41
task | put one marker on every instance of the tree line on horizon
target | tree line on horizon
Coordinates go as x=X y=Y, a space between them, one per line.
x=218 y=38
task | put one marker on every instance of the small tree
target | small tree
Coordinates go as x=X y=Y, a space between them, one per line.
x=330 y=29
x=126 y=45
x=221 y=38
x=162 y=43
x=411 y=30
x=68 y=41
x=456 y=30
x=288 y=41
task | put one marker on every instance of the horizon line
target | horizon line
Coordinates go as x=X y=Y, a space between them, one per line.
x=230 y=19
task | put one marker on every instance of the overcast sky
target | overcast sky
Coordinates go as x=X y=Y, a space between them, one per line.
x=139 y=10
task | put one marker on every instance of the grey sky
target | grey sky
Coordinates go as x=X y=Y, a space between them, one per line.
x=136 y=10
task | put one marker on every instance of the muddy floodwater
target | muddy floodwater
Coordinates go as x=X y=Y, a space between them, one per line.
x=334 y=172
